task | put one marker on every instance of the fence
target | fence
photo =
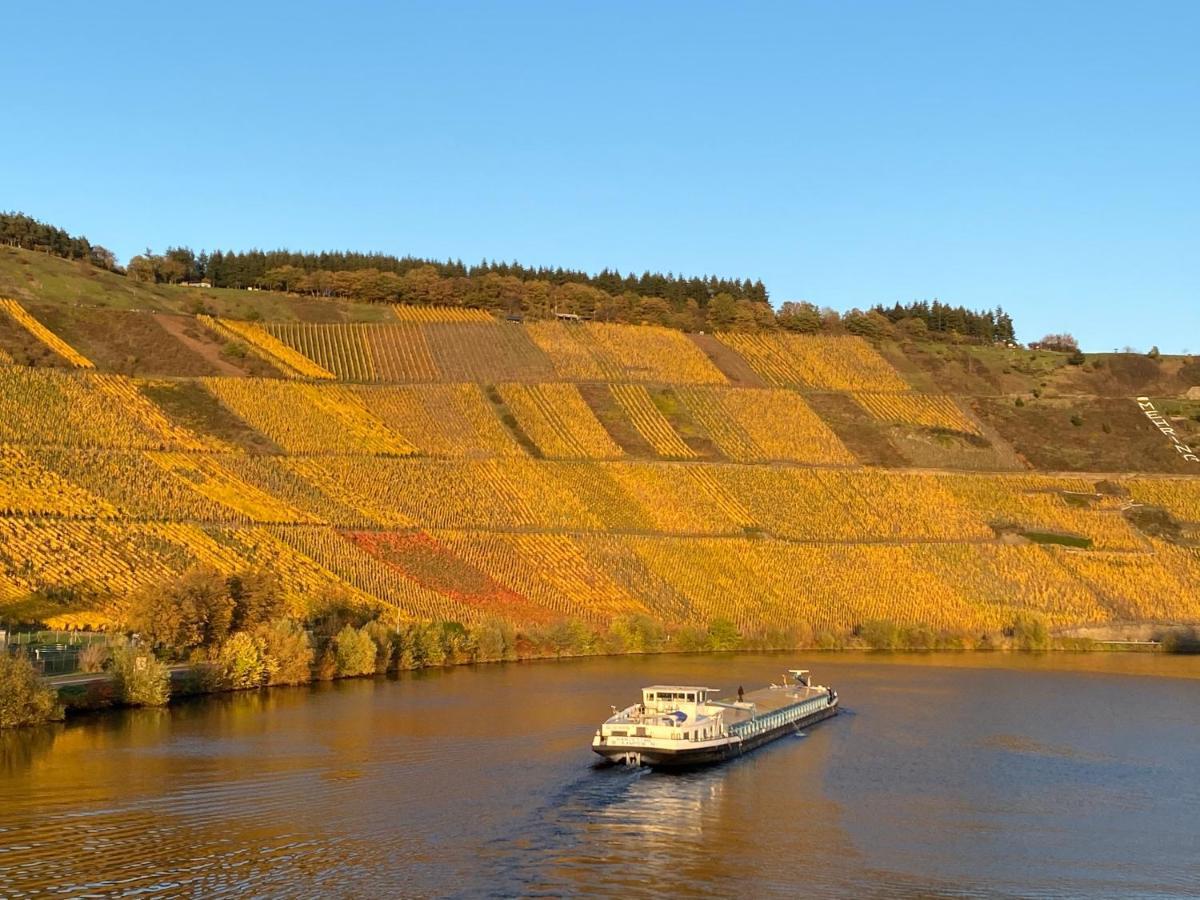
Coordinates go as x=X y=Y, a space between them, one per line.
x=78 y=639
x=51 y=652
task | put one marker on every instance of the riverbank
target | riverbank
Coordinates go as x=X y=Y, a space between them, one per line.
x=209 y=634
x=97 y=692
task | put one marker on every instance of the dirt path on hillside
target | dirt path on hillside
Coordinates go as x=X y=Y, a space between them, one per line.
x=731 y=364
x=176 y=326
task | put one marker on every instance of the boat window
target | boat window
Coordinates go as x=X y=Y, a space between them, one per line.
x=692 y=697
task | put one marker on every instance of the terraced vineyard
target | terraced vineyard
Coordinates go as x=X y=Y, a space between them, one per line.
x=267 y=346
x=362 y=352
x=816 y=361
x=453 y=466
x=926 y=410
x=762 y=425
x=558 y=421
x=598 y=352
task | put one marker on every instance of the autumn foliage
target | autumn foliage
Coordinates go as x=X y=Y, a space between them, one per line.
x=445 y=466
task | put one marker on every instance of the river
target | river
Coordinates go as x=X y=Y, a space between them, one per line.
x=952 y=774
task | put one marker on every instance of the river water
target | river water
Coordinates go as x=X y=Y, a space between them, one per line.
x=952 y=775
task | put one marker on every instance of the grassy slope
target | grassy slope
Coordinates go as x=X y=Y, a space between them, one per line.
x=1062 y=417
x=47 y=280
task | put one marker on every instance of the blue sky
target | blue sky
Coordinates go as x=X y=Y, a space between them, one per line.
x=1041 y=156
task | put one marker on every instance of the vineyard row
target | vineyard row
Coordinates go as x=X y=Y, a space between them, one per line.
x=535 y=577
x=518 y=493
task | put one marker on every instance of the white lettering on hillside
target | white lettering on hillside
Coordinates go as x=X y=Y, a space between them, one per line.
x=1164 y=425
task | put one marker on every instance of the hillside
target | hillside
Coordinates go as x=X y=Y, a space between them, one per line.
x=452 y=465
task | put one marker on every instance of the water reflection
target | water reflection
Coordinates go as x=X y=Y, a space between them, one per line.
x=19 y=749
x=959 y=778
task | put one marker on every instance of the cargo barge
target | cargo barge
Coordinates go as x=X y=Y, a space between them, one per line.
x=681 y=726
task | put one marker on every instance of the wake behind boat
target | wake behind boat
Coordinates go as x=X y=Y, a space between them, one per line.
x=677 y=726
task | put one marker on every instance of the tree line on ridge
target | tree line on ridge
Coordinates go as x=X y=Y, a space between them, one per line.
x=687 y=303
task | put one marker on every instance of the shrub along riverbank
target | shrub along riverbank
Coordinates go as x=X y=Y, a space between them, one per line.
x=206 y=633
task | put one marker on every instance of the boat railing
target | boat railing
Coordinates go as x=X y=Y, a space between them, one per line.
x=759 y=724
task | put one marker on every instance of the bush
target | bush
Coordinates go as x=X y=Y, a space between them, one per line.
x=94 y=657
x=335 y=610
x=326 y=667
x=494 y=641
x=1029 y=632
x=1185 y=641
x=234 y=350
x=921 y=637
x=289 y=649
x=457 y=641
x=386 y=641
x=880 y=635
x=580 y=639
x=243 y=663
x=24 y=698
x=567 y=637
x=828 y=640
x=1064 y=343
x=141 y=679
x=430 y=649
x=354 y=651
x=723 y=635
x=691 y=638
x=636 y=634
